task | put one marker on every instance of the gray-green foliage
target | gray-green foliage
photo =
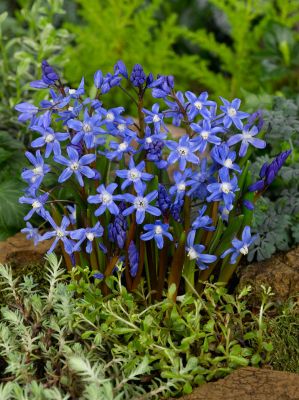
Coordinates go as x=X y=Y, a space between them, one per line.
x=276 y=216
x=65 y=341
x=26 y=38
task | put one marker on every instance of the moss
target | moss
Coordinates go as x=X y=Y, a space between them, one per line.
x=283 y=333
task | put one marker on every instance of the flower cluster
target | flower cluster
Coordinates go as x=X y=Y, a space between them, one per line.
x=110 y=188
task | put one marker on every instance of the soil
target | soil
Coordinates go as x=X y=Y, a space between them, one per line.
x=250 y=384
x=281 y=272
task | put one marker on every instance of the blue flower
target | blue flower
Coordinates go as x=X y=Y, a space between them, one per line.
x=134 y=175
x=198 y=105
x=109 y=81
x=224 y=190
x=203 y=221
x=176 y=208
x=183 y=151
x=49 y=77
x=35 y=176
x=31 y=233
x=117 y=230
x=27 y=111
x=119 y=149
x=120 y=68
x=75 y=165
x=195 y=252
x=268 y=172
x=181 y=183
x=37 y=203
x=164 y=200
x=175 y=111
x=111 y=117
x=50 y=139
x=162 y=86
x=223 y=156
x=106 y=199
x=72 y=214
x=133 y=259
x=206 y=134
x=232 y=115
x=155 y=117
x=138 y=76
x=86 y=130
x=200 y=180
x=156 y=231
x=246 y=138
x=240 y=247
x=87 y=234
x=60 y=233
x=141 y=204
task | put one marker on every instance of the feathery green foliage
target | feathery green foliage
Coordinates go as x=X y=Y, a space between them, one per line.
x=65 y=341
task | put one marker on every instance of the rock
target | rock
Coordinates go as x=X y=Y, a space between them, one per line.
x=281 y=272
x=17 y=250
x=250 y=384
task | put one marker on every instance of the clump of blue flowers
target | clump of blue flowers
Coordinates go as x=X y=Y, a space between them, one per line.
x=111 y=190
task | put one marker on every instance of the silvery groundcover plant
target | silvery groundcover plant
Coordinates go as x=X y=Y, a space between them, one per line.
x=119 y=193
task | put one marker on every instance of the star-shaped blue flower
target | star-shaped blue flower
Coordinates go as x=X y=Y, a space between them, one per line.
x=86 y=130
x=247 y=137
x=106 y=199
x=223 y=190
x=88 y=234
x=205 y=134
x=156 y=231
x=60 y=233
x=134 y=175
x=183 y=152
x=199 y=105
x=195 y=252
x=240 y=247
x=224 y=157
x=75 y=165
x=232 y=113
x=141 y=204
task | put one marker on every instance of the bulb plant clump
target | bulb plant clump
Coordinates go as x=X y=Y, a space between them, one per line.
x=123 y=192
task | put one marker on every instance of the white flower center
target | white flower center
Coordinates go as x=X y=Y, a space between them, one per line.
x=183 y=151
x=106 y=198
x=246 y=135
x=156 y=118
x=72 y=91
x=49 y=138
x=38 y=170
x=134 y=174
x=121 y=127
x=123 y=146
x=59 y=233
x=71 y=108
x=75 y=166
x=244 y=250
x=228 y=163
x=232 y=112
x=181 y=187
x=110 y=117
x=198 y=105
x=149 y=140
x=36 y=204
x=225 y=187
x=158 y=230
x=225 y=211
x=90 y=236
x=205 y=135
x=86 y=127
x=192 y=254
x=140 y=203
